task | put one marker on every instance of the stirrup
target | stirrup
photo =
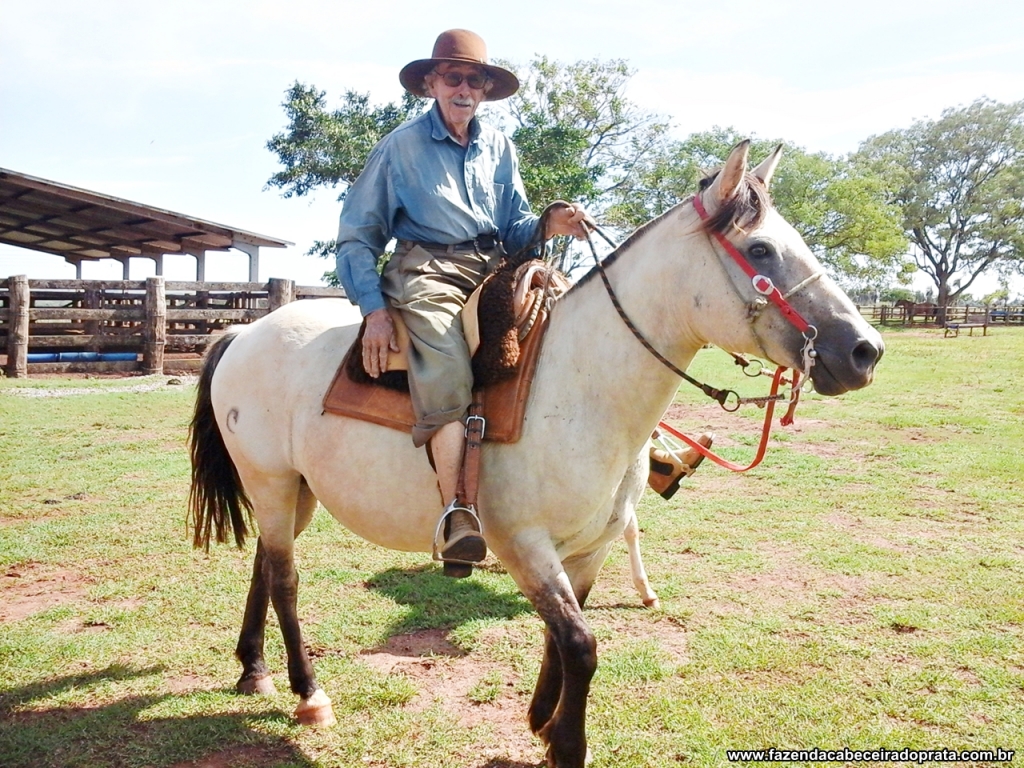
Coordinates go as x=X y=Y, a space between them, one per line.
x=668 y=467
x=438 y=532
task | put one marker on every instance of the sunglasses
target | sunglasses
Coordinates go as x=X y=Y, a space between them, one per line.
x=454 y=79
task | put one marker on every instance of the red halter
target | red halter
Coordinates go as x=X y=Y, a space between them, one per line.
x=765 y=287
x=762 y=284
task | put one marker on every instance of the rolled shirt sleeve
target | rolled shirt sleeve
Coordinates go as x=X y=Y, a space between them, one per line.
x=364 y=231
x=419 y=184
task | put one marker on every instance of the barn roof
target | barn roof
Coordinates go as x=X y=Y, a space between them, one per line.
x=80 y=225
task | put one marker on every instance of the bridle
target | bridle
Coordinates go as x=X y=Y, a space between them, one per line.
x=767 y=292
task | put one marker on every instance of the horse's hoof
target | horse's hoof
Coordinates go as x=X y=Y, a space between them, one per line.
x=252 y=686
x=316 y=710
x=654 y=604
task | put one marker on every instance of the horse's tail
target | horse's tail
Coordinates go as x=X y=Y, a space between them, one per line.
x=217 y=501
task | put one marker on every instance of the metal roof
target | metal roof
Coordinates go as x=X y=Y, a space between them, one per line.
x=81 y=225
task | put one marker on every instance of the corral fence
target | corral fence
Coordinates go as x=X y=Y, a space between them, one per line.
x=886 y=314
x=148 y=326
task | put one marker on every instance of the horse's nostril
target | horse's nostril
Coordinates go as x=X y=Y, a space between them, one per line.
x=866 y=354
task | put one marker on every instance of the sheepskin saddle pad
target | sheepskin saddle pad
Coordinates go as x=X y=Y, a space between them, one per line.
x=504 y=322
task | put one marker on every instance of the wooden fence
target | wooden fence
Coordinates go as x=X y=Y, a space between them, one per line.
x=884 y=314
x=127 y=325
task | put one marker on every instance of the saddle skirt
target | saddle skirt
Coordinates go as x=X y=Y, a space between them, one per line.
x=504 y=339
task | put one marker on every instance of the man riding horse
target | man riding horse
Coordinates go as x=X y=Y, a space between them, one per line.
x=447 y=188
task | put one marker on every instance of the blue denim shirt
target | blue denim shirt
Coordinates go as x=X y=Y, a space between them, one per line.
x=420 y=184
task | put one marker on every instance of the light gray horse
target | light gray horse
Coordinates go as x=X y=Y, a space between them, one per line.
x=260 y=439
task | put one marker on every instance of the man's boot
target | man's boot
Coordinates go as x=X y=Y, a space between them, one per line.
x=463 y=542
x=668 y=468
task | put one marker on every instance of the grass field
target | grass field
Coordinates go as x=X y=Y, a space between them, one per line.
x=862 y=588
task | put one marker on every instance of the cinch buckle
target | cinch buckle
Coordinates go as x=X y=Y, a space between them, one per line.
x=483 y=425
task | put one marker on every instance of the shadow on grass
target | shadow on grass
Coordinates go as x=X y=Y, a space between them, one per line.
x=436 y=601
x=118 y=733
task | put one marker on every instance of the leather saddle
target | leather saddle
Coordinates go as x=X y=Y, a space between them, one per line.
x=504 y=321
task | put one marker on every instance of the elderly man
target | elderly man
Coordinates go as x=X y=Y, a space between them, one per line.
x=447 y=187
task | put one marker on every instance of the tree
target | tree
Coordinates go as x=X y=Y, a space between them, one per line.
x=329 y=149
x=839 y=209
x=959 y=182
x=583 y=103
x=579 y=137
x=321 y=148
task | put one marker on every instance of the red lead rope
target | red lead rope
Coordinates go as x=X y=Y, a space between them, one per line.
x=769 y=411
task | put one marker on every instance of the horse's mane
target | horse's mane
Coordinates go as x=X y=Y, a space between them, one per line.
x=743 y=211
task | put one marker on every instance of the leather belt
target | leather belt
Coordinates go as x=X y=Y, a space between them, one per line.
x=480 y=244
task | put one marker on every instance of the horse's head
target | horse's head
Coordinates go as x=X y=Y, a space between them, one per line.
x=788 y=297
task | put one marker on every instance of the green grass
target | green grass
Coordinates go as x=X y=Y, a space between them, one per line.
x=863 y=587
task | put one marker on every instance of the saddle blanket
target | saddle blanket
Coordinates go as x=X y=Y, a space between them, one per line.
x=504 y=401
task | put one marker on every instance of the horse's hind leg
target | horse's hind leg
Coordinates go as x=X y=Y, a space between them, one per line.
x=636 y=563
x=255 y=677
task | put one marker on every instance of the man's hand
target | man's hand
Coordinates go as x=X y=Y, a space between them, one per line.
x=378 y=339
x=568 y=220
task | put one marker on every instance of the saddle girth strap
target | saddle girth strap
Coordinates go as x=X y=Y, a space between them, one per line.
x=469 y=478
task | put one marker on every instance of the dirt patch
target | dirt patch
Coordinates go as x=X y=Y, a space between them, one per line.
x=149 y=386
x=187 y=683
x=32 y=587
x=448 y=677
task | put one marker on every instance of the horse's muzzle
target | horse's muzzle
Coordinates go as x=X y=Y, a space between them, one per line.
x=837 y=371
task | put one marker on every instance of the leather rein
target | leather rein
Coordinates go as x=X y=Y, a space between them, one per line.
x=767 y=291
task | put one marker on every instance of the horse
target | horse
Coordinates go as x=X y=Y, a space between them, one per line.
x=928 y=310
x=263 y=448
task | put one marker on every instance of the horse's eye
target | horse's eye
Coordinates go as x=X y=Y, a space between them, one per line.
x=759 y=251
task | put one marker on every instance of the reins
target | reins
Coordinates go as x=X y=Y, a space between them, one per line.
x=764 y=286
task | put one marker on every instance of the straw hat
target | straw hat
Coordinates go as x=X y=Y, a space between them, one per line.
x=458 y=46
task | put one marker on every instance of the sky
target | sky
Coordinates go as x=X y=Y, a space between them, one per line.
x=171 y=104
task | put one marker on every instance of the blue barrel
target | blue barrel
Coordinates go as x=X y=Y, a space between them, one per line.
x=81 y=357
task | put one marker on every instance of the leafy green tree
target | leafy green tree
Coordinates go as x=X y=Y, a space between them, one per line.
x=583 y=104
x=323 y=148
x=839 y=209
x=328 y=148
x=959 y=182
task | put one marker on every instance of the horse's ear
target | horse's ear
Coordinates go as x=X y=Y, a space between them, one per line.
x=728 y=180
x=767 y=167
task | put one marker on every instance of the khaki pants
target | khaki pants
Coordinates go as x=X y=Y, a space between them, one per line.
x=430 y=287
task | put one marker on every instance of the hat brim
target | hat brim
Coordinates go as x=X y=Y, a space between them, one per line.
x=504 y=83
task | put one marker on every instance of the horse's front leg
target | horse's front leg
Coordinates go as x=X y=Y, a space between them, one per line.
x=558 y=709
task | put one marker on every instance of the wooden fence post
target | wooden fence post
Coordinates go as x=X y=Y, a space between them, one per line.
x=280 y=292
x=17 y=326
x=93 y=300
x=156 y=326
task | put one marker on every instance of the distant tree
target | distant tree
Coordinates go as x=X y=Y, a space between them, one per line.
x=959 y=182
x=579 y=136
x=839 y=209
x=328 y=148
x=323 y=148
